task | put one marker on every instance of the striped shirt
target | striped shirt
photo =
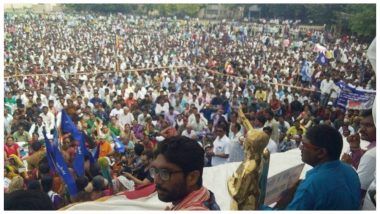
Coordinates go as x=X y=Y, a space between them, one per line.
x=201 y=199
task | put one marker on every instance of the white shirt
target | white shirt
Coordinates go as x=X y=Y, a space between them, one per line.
x=366 y=168
x=7 y=123
x=221 y=145
x=368 y=204
x=236 y=149
x=116 y=112
x=159 y=108
x=126 y=118
x=272 y=146
x=49 y=120
x=187 y=134
x=141 y=118
x=326 y=86
x=39 y=131
x=198 y=127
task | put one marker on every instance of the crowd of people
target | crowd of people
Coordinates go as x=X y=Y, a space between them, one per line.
x=145 y=81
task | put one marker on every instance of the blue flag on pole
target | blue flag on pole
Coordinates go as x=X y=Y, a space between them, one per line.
x=322 y=60
x=49 y=153
x=91 y=158
x=63 y=171
x=68 y=126
x=120 y=147
x=78 y=163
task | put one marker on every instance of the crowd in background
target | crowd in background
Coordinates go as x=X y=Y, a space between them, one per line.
x=144 y=80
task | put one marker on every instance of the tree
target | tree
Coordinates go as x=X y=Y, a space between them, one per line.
x=362 y=20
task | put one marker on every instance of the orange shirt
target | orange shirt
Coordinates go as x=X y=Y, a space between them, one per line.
x=130 y=102
x=105 y=149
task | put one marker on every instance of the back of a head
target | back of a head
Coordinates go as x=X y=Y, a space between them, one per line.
x=261 y=119
x=27 y=200
x=43 y=168
x=36 y=146
x=95 y=169
x=81 y=182
x=46 y=183
x=98 y=183
x=183 y=152
x=326 y=137
x=268 y=129
x=138 y=149
x=34 y=185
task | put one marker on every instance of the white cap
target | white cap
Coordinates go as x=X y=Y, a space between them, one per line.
x=330 y=103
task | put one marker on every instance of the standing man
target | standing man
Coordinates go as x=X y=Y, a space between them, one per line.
x=221 y=147
x=236 y=147
x=330 y=184
x=367 y=166
x=48 y=118
x=177 y=172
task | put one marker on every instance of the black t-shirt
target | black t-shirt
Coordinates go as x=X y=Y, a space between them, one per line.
x=142 y=174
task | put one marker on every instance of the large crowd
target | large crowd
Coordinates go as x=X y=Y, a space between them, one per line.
x=143 y=80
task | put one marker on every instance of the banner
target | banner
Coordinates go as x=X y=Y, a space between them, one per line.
x=281 y=182
x=352 y=98
x=68 y=126
x=63 y=171
x=78 y=163
x=49 y=153
x=58 y=164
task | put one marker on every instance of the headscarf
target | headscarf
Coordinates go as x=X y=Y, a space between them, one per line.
x=105 y=169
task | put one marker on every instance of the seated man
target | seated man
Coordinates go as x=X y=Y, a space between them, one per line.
x=331 y=184
x=142 y=176
x=177 y=171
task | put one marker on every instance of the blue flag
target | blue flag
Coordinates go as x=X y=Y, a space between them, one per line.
x=120 y=147
x=97 y=151
x=49 y=153
x=63 y=171
x=78 y=163
x=322 y=60
x=68 y=126
x=91 y=158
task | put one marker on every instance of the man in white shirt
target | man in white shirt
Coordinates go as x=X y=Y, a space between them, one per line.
x=116 y=111
x=38 y=127
x=236 y=147
x=141 y=118
x=126 y=117
x=171 y=116
x=199 y=124
x=162 y=107
x=189 y=132
x=7 y=121
x=326 y=86
x=272 y=146
x=48 y=118
x=367 y=165
x=221 y=147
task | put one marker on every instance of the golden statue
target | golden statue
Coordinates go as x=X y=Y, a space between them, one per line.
x=247 y=185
